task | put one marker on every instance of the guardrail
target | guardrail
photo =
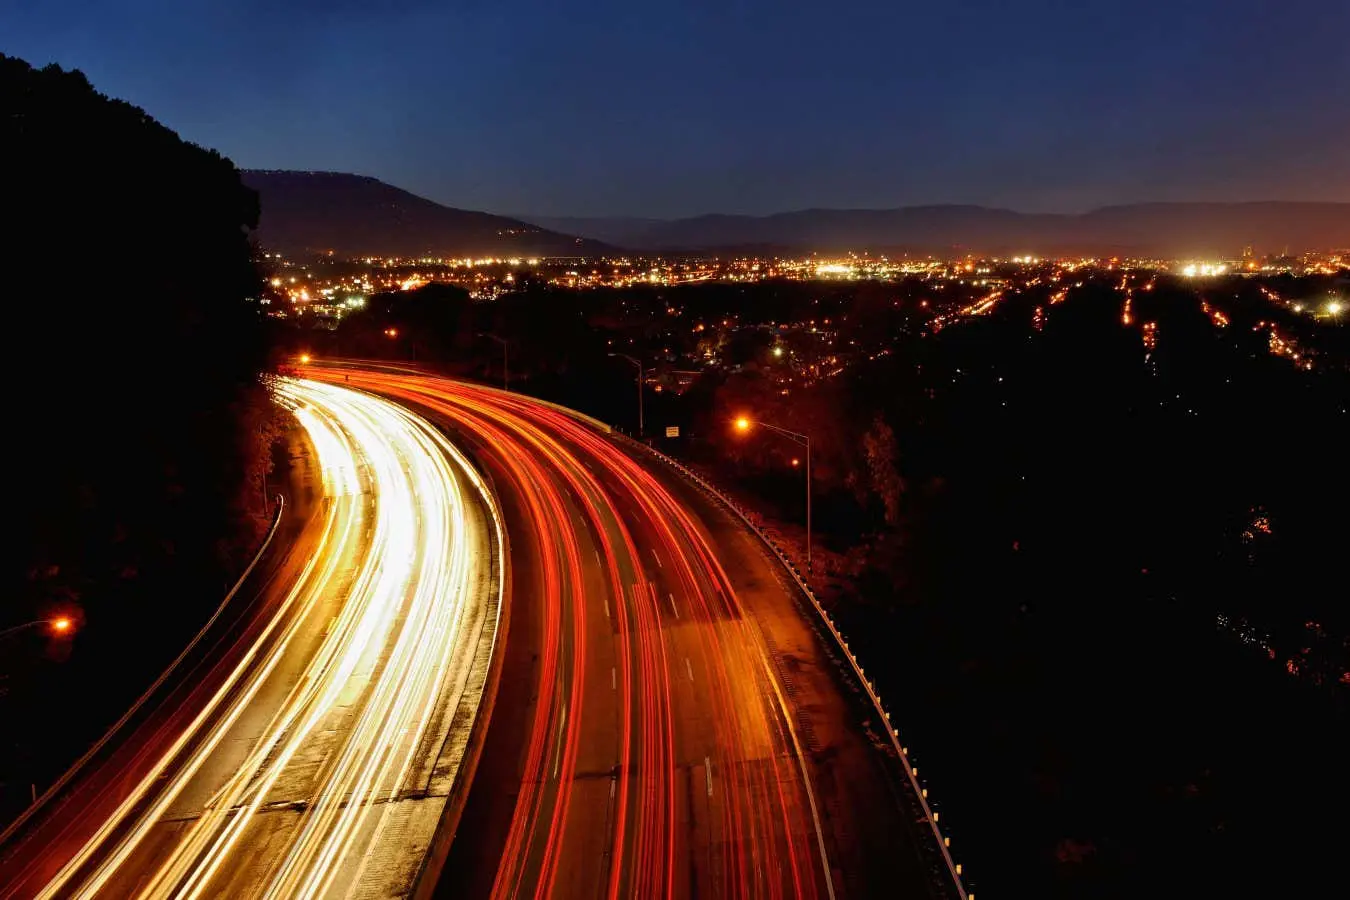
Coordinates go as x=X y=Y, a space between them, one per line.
x=911 y=771
x=61 y=783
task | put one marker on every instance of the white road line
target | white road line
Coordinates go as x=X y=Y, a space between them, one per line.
x=557 y=759
x=707 y=771
x=688 y=668
x=673 y=608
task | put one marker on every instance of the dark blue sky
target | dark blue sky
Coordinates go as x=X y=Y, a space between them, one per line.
x=753 y=106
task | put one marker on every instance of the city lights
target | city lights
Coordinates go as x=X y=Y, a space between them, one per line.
x=1203 y=270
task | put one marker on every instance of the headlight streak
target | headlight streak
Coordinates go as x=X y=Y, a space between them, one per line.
x=411 y=573
x=757 y=786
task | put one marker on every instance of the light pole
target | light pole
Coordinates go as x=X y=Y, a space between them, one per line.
x=637 y=362
x=506 y=357
x=743 y=424
x=60 y=625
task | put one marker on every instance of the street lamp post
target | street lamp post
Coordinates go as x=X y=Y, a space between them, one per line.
x=637 y=362
x=59 y=625
x=506 y=358
x=743 y=424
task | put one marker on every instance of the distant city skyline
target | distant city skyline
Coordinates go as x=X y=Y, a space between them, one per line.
x=749 y=108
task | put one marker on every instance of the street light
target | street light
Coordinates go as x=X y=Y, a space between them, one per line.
x=60 y=625
x=743 y=424
x=637 y=362
x=506 y=358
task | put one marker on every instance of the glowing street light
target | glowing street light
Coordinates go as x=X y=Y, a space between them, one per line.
x=1334 y=308
x=59 y=626
x=304 y=359
x=743 y=423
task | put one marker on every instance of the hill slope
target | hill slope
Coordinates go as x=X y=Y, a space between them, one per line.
x=353 y=215
x=1163 y=229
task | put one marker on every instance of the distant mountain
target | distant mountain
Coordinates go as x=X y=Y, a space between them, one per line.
x=352 y=215
x=1162 y=229
x=612 y=230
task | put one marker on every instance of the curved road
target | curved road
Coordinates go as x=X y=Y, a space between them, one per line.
x=649 y=737
x=313 y=753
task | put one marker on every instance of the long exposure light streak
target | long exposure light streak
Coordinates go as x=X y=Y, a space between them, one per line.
x=661 y=758
x=318 y=765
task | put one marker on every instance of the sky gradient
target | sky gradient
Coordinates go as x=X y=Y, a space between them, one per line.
x=608 y=108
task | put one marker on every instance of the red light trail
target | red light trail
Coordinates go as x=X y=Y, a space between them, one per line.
x=678 y=770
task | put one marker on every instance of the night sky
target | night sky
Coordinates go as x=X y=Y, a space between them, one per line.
x=668 y=109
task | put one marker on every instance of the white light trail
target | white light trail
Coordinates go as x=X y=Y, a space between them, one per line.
x=334 y=730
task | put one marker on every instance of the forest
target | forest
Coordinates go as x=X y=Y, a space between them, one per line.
x=141 y=423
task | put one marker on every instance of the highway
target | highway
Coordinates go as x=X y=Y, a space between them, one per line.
x=312 y=752
x=664 y=726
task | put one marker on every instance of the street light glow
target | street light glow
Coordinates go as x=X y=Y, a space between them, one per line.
x=61 y=625
x=742 y=423
x=304 y=359
x=1335 y=307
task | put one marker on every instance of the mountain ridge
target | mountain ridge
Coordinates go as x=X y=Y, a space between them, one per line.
x=1162 y=228
x=317 y=212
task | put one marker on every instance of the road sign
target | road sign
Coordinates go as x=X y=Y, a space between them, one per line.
x=672 y=431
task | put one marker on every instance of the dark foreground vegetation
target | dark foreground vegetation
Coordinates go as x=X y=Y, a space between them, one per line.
x=138 y=419
x=1097 y=570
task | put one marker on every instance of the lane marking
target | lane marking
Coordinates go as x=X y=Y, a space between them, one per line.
x=707 y=771
x=557 y=759
x=688 y=668
x=658 y=560
x=673 y=608
x=613 y=679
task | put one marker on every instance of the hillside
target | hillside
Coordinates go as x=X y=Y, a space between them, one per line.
x=353 y=215
x=1162 y=229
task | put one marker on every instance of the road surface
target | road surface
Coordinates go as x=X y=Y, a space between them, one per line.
x=664 y=726
x=313 y=753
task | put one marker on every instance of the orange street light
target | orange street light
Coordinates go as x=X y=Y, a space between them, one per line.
x=304 y=359
x=60 y=625
x=743 y=424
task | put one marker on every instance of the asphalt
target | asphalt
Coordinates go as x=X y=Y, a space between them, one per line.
x=657 y=650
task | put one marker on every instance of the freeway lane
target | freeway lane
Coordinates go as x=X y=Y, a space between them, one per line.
x=315 y=756
x=645 y=742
